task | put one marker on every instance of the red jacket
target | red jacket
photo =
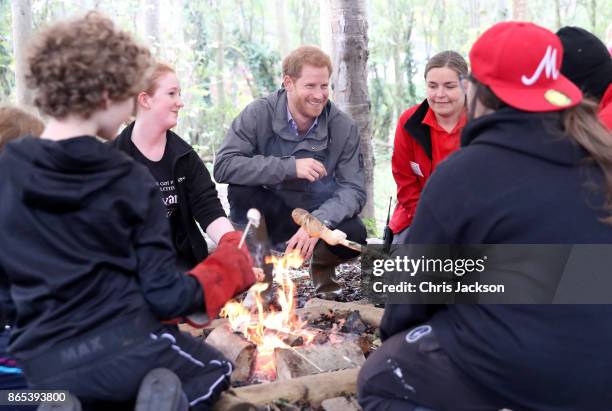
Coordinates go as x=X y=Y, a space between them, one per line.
x=605 y=108
x=420 y=144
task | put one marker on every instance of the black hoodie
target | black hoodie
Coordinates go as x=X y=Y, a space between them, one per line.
x=197 y=195
x=518 y=180
x=85 y=243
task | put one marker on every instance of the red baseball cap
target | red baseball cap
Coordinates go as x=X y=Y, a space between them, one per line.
x=521 y=63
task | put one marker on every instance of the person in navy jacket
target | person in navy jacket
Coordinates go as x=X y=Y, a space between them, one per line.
x=534 y=168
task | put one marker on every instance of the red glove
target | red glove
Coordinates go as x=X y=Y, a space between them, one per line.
x=174 y=321
x=233 y=238
x=223 y=274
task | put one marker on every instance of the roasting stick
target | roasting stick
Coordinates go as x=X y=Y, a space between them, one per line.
x=315 y=228
x=254 y=217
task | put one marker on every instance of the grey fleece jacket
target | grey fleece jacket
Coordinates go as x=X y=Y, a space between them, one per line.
x=260 y=149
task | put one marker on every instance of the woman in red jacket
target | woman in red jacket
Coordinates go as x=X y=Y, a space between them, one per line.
x=426 y=134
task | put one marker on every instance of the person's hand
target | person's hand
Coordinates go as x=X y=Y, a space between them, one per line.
x=333 y=237
x=302 y=242
x=309 y=169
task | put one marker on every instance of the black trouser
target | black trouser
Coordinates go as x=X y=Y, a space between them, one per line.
x=281 y=226
x=410 y=371
x=111 y=381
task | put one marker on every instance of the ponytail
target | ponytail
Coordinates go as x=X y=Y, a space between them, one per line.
x=581 y=124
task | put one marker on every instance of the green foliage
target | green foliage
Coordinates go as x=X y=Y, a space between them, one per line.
x=7 y=76
x=382 y=105
x=263 y=63
x=370 y=225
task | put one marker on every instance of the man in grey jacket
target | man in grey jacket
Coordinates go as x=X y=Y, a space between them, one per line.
x=295 y=148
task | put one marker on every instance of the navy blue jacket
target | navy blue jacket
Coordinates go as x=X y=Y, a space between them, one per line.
x=85 y=243
x=518 y=180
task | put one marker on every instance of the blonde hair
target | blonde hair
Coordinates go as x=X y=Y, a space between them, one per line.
x=76 y=65
x=15 y=122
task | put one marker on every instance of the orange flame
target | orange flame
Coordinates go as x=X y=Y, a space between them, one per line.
x=265 y=329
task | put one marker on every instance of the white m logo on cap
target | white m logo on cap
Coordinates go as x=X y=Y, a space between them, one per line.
x=548 y=63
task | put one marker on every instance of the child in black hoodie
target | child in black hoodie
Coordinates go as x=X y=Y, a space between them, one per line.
x=87 y=268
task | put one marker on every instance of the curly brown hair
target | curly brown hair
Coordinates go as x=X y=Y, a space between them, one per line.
x=76 y=65
x=15 y=122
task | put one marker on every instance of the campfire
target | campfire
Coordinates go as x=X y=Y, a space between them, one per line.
x=276 y=344
x=271 y=329
x=309 y=355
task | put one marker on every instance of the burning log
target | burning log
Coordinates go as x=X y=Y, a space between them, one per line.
x=317 y=306
x=314 y=359
x=236 y=348
x=311 y=388
x=291 y=339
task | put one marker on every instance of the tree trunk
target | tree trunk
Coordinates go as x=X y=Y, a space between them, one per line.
x=398 y=91
x=151 y=24
x=502 y=10
x=220 y=63
x=519 y=10
x=397 y=30
x=350 y=79
x=593 y=15
x=283 y=35
x=558 y=13
x=87 y=5
x=408 y=60
x=325 y=31
x=441 y=31
x=306 y=15
x=22 y=28
x=244 y=31
x=474 y=14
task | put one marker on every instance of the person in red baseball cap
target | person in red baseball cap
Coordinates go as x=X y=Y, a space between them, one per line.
x=521 y=64
x=535 y=168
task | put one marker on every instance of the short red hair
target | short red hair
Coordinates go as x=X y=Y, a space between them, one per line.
x=305 y=55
